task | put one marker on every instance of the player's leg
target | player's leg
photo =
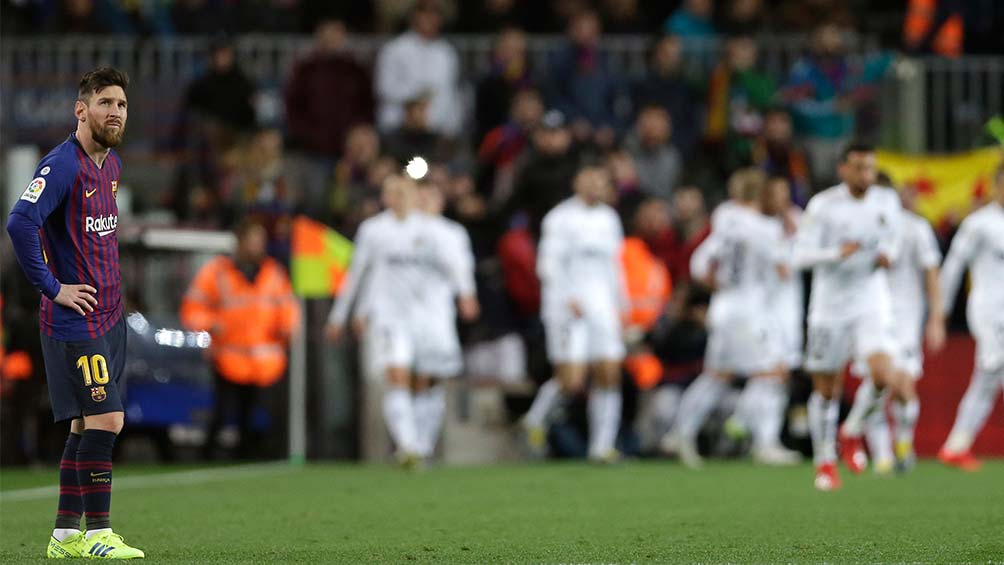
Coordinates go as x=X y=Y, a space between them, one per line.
x=824 y=411
x=430 y=410
x=770 y=401
x=879 y=439
x=397 y=355
x=605 y=404
x=66 y=536
x=906 y=412
x=566 y=349
x=978 y=402
x=440 y=358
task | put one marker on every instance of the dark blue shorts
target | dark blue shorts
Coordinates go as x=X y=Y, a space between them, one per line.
x=85 y=376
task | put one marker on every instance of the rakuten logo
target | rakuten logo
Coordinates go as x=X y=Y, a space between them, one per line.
x=102 y=225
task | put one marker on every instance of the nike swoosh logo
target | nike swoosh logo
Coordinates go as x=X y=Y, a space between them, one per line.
x=90 y=192
x=101 y=474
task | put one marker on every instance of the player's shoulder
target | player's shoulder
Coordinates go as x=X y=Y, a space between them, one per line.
x=560 y=210
x=374 y=222
x=983 y=216
x=62 y=162
x=826 y=197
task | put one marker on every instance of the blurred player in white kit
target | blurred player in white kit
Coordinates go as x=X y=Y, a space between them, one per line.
x=407 y=268
x=978 y=245
x=582 y=299
x=915 y=294
x=849 y=238
x=740 y=260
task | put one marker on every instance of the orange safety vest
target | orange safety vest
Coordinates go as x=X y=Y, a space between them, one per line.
x=15 y=365
x=649 y=287
x=919 y=19
x=249 y=322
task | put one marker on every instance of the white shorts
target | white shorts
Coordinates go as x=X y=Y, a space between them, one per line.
x=743 y=346
x=431 y=349
x=830 y=346
x=584 y=340
x=909 y=356
x=989 y=336
x=787 y=341
x=503 y=359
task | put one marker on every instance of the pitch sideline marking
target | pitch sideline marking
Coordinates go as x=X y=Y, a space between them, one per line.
x=176 y=478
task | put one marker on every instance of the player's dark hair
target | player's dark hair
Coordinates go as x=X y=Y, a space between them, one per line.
x=100 y=79
x=856 y=147
x=883 y=179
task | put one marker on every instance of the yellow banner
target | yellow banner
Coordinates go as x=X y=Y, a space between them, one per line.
x=946 y=184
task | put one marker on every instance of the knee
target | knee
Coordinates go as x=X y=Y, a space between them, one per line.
x=572 y=379
x=110 y=422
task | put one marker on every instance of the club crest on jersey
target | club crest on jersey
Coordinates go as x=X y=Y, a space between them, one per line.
x=98 y=394
x=34 y=190
x=115 y=189
x=102 y=225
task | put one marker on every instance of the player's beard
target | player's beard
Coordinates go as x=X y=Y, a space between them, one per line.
x=106 y=136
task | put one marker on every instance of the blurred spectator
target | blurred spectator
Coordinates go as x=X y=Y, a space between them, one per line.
x=503 y=146
x=692 y=20
x=509 y=73
x=778 y=154
x=417 y=62
x=414 y=138
x=657 y=161
x=807 y=15
x=268 y=16
x=624 y=16
x=224 y=94
x=354 y=198
x=553 y=16
x=487 y=16
x=745 y=17
x=391 y=13
x=583 y=86
x=933 y=26
x=824 y=90
x=327 y=94
x=737 y=97
x=666 y=83
x=624 y=175
x=690 y=218
x=246 y=304
x=201 y=17
x=546 y=177
x=76 y=17
x=261 y=189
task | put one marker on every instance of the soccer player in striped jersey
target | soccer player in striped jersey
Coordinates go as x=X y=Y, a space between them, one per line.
x=64 y=233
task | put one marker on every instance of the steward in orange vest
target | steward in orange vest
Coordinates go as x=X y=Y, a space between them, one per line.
x=649 y=288
x=246 y=303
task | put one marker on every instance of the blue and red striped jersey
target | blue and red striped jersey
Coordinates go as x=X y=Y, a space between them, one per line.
x=64 y=232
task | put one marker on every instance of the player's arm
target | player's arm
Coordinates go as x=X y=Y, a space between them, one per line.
x=811 y=249
x=461 y=262
x=704 y=262
x=963 y=248
x=361 y=257
x=620 y=286
x=889 y=247
x=45 y=193
x=929 y=258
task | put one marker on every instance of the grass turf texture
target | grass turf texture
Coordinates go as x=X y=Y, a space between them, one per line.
x=637 y=512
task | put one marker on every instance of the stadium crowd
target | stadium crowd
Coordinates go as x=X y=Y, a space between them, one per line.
x=669 y=138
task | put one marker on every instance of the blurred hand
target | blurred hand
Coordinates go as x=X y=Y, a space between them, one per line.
x=935 y=333
x=333 y=332
x=469 y=308
x=783 y=271
x=359 y=324
x=575 y=309
x=882 y=261
x=77 y=297
x=849 y=248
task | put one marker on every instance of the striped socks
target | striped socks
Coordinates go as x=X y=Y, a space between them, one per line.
x=71 y=505
x=94 y=473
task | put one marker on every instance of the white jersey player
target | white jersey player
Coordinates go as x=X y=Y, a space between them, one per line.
x=978 y=245
x=915 y=295
x=743 y=254
x=398 y=255
x=582 y=297
x=849 y=238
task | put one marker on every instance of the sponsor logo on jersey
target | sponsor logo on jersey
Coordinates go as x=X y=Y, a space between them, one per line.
x=34 y=190
x=102 y=225
x=98 y=394
x=89 y=193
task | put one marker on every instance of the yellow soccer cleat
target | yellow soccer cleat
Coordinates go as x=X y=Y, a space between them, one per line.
x=72 y=546
x=109 y=545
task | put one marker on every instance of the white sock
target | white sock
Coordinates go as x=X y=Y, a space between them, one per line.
x=865 y=401
x=92 y=533
x=698 y=401
x=748 y=406
x=906 y=415
x=823 y=415
x=430 y=407
x=399 y=414
x=973 y=411
x=604 y=419
x=878 y=436
x=772 y=400
x=547 y=398
x=62 y=533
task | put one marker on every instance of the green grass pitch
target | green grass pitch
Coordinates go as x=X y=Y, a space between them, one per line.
x=539 y=513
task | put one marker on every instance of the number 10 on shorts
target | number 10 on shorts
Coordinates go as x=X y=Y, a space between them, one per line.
x=95 y=370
